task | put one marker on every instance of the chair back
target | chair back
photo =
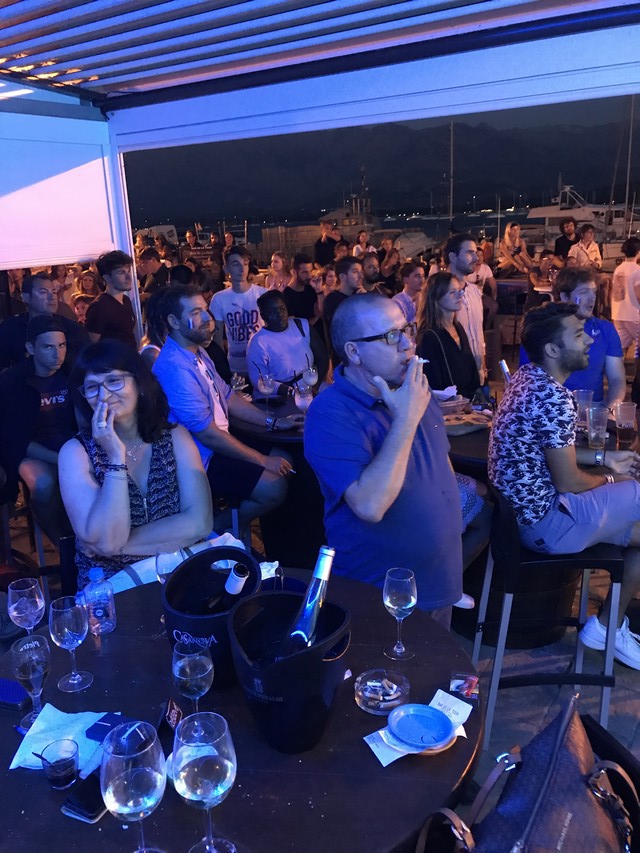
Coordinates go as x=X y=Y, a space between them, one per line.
x=505 y=540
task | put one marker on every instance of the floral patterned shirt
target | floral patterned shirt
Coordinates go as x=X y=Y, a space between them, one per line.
x=535 y=413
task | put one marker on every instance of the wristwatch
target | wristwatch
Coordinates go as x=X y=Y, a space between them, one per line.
x=270 y=422
x=599 y=457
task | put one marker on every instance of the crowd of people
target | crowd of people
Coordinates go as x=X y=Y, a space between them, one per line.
x=128 y=442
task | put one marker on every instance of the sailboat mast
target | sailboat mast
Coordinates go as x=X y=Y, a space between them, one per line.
x=626 y=192
x=450 y=170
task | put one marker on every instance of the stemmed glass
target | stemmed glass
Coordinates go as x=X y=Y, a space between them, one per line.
x=68 y=625
x=204 y=770
x=166 y=564
x=133 y=774
x=31 y=656
x=192 y=670
x=266 y=386
x=399 y=596
x=238 y=382
x=25 y=603
x=302 y=396
x=310 y=373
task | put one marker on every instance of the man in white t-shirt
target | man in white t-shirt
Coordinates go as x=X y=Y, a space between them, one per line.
x=285 y=347
x=461 y=255
x=413 y=278
x=625 y=295
x=236 y=309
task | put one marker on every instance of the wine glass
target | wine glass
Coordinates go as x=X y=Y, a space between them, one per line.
x=133 y=774
x=25 y=603
x=31 y=656
x=68 y=625
x=302 y=396
x=310 y=374
x=192 y=670
x=266 y=386
x=204 y=770
x=167 y=562
x=238 y=382
x=399 y=596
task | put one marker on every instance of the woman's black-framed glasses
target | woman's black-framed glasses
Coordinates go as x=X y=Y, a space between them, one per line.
x=112 y=383
x=392 y=337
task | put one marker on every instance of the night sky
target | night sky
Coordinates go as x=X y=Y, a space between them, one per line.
x=516 y=154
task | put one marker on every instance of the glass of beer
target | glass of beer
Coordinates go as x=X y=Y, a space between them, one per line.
x=625 y=415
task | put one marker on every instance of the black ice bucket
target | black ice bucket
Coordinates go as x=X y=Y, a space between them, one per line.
x=290 y=699
x=188 y=590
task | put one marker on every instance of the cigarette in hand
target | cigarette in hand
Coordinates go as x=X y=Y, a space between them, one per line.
x=422 y=360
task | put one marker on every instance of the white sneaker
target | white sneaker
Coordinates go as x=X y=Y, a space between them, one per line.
x=627 y=644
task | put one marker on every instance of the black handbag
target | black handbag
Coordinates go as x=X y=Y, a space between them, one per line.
x=557 y=797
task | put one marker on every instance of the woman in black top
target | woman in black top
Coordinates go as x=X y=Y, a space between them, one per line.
x=442 y=340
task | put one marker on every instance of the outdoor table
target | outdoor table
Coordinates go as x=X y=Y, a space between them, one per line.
x=294 y=532
x=469 y=452
x=335 y=797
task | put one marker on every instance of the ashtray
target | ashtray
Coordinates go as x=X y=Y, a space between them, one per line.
x=379 y=691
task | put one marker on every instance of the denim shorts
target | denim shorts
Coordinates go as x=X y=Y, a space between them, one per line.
x=575 y=522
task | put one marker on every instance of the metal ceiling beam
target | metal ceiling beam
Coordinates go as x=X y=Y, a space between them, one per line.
x=472 y=41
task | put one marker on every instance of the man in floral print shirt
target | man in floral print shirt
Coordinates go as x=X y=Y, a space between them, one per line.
x=533 y=462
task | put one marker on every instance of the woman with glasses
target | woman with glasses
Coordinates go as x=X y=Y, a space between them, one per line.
x=442 y=340
x=130 y=481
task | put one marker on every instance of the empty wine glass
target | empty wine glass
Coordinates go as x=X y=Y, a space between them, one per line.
x=167 y=562
x=31 y=656
x=204 y=770
x=302 y=396
x=68 y=625
x=192 y=670
x=399 y=596
x=25 y=603
x=133 y=774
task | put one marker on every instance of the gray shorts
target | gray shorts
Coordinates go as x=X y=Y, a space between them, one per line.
x=574 y=522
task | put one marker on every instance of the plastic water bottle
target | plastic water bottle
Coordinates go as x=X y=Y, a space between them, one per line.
x=302 y=632
x=101 y=605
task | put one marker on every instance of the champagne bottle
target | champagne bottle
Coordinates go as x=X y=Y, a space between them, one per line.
x=232 y=589
x=302 y=632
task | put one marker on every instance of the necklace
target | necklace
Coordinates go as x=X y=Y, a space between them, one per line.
x=133 y=451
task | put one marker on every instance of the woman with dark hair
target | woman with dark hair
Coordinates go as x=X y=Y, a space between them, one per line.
x=155 y=330
x=442 y=340
x=130 y=482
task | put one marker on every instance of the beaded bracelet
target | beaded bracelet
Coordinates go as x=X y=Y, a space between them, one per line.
x=113 y=467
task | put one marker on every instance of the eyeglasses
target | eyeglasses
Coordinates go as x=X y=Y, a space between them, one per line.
x=392 y=337
x=111 y=383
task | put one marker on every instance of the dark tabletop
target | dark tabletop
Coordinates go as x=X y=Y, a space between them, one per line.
x=280 y=407
x=335 y=797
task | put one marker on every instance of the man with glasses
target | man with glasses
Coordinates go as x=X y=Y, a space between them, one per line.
x=377 y=443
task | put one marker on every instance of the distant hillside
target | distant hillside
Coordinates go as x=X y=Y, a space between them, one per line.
x=296 y=176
